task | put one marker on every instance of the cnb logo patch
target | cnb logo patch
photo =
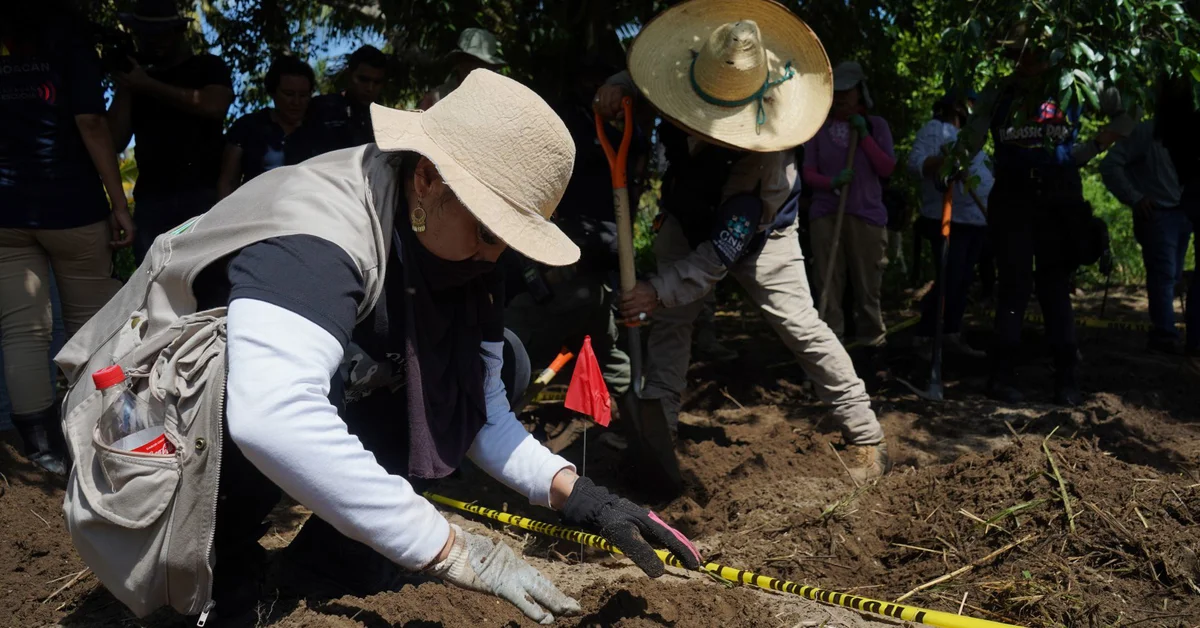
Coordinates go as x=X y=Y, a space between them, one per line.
x=738 y=226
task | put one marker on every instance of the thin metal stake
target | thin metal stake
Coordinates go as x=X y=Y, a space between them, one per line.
x=583 y=473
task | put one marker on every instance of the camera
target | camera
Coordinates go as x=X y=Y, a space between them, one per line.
x=116 y=49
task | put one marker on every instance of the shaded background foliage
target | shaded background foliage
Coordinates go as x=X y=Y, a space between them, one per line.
x=911 y=49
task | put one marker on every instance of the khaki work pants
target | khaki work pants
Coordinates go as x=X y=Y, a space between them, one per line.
x=82 y=266
x=862 y=253
x=775 y=280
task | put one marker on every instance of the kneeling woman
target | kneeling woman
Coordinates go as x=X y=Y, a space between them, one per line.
x=415 y=382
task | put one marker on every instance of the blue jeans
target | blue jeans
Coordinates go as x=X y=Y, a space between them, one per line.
x=966 y=245
x=1164 y=238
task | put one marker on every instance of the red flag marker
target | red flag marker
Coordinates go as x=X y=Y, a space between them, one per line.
x=587 y=393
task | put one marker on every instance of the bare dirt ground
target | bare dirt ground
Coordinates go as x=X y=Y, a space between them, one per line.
x=765 y=492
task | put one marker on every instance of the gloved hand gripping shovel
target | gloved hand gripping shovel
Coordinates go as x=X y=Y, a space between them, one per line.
x=650 y=441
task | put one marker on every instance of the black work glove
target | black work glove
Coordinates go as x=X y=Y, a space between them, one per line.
x=628 y=526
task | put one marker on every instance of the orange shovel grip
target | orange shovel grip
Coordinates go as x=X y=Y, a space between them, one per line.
x=947 y=209
x=561 y=361
x=618 y=161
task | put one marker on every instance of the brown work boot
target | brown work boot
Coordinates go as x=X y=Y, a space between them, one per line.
x=868 y=462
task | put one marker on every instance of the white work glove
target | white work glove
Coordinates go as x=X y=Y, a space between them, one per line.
x=479 y=564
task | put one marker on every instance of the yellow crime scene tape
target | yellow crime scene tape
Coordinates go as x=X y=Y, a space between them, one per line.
x=741 y=576
x=551 y=395
x=1096 y=323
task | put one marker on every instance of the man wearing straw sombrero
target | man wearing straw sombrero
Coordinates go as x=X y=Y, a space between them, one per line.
x=743 y=83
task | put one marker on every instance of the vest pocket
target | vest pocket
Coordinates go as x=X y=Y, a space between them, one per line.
x=131 y=490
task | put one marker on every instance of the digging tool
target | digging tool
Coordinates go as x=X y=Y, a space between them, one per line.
x=543 y=380
x=935 y=390
x=740 y=576
x=837 y=229
x=1106 y=267
x=651 y=443
x=935 y=367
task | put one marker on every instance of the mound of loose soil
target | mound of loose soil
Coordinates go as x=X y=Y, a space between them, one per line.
x=766 y=491
x=44 y=583
x=1133 y=553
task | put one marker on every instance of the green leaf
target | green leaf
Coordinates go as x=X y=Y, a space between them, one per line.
x=1093 y=100
x=1081 y=48
x=1026 y=574
x=1085 y=76
x=1066 y=79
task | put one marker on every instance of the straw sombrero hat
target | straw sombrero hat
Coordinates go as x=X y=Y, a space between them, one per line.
x=747 y=74
x=503 y=152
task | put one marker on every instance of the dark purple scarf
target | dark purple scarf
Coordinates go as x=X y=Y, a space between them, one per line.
x=447 y=307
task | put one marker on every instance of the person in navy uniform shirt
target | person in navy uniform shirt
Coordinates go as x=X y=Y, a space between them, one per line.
x=259 y=141
x=173 y=101
x=342 y=120
x=62 y=206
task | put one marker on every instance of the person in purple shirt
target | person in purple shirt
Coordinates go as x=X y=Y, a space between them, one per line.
x=862 y=252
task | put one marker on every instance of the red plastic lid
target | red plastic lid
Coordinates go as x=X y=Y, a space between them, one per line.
x=108 y=377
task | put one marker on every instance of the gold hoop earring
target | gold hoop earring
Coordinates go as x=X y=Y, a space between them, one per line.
x=417 y=218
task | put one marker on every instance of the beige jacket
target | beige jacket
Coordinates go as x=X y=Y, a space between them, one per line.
x=144 y=523
x=691 y=278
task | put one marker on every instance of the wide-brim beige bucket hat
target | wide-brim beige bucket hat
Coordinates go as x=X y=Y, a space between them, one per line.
x=746 y=74
x=502 y=150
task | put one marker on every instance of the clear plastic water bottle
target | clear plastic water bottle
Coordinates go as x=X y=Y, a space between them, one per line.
x=127 y=424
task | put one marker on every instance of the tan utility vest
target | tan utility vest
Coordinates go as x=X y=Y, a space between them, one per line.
x=144 y=523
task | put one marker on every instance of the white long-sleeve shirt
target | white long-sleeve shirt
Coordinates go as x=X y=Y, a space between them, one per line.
x=928 y=143
x=279 y=414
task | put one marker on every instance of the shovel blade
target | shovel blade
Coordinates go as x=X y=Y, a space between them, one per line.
x=651 y=454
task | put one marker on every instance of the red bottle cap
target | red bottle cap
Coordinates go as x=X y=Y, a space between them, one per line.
x=108 y=377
